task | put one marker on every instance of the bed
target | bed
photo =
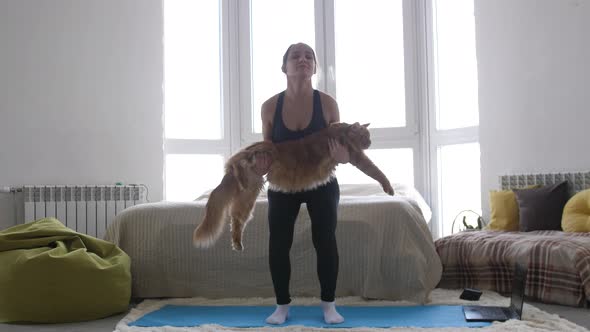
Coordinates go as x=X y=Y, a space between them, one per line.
x=558 y=262
x=385 y=247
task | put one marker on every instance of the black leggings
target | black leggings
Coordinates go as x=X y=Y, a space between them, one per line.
x=322 y=205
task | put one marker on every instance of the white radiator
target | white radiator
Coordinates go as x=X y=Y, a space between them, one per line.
x=84 y=208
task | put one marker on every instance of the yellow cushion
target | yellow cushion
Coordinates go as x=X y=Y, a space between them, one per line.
x=576 y=213
x=504 y=211
x=504 y=214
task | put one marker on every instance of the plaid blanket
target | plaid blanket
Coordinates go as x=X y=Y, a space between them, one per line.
x=558 y=263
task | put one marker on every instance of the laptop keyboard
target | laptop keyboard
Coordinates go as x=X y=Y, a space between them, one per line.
x=496 y=313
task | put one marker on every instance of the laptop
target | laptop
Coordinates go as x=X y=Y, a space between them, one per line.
x=476 y=313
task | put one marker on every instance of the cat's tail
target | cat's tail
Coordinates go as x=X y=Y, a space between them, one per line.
x=210 y=229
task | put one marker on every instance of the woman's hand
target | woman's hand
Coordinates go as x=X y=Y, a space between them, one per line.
x=338 y=152
x=263 y=162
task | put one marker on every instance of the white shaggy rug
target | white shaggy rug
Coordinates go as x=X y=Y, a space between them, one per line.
x=533 y=319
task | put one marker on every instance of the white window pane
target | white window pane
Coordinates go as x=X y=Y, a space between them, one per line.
x=459 y=182
x=396 y=164
x=370 y=62
x=275 y=26
x=190 y=175
x=456 y=66
x=192 y=81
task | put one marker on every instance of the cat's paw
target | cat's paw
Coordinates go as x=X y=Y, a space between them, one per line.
x=237 y=246
x=388 y=189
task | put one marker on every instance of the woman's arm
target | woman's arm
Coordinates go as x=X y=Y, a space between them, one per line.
x=330 y=108
x=263 y=160
x=267 y=115
x=332 y=115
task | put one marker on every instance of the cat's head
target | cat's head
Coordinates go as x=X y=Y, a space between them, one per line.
x=359 y=135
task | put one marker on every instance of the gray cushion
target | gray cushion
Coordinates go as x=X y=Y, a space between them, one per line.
x=541 y=208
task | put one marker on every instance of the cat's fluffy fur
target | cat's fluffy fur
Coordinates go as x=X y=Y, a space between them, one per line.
x=297 y=165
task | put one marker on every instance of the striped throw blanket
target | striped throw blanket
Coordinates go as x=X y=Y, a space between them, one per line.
x=558 y=263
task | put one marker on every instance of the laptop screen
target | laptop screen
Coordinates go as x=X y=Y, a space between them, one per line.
x=518 y=287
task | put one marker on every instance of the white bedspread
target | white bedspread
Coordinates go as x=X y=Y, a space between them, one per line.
x=385 y=247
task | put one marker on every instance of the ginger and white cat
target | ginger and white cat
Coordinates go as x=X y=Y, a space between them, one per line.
x=297 y=165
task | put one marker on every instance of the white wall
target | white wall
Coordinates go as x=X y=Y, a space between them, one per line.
x=80 y=94
x=534 y=87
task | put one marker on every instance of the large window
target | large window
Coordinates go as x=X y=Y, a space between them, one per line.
x=455 y=64
x=396 y=164
x=369 y=62
x=272 y=33
x=192 y=67
x=367 y=75
x=189 y=175
x=401 y=65
x=459 y=182
x=195 y=140
x=453 y=134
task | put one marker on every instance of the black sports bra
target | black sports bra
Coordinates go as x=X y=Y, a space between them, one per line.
x=281 y=133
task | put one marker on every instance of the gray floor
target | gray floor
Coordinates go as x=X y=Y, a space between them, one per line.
x=100 y=325
x=580 y=316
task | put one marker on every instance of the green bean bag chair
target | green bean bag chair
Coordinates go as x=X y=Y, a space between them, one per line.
x=52 y=274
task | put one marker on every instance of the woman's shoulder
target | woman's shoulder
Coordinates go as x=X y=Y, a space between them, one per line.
x=271 y=102
x=268 y=108
x=330 y=108
x=328 y=102
x=327 y=97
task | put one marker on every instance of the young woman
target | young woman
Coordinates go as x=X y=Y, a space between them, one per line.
x=298 y=111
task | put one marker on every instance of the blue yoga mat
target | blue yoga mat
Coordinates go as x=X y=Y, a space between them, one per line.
x=354 y=316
